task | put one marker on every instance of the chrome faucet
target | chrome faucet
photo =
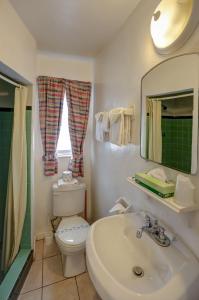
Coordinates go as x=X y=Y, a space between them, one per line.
x=155 y=231
x=146 y=227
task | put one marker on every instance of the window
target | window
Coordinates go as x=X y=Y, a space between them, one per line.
x=64 y=144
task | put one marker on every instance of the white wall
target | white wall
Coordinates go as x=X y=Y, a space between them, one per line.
x=17 y=46
x=70 y=68
x=118 y=72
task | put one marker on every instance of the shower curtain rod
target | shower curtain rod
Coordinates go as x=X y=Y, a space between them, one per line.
x=9 y=81
x=171 y=97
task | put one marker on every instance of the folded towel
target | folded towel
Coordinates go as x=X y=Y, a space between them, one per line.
x=129 y=112
x=115 y=126
x=102 y=126
x=116 y=117
x=121 y=132
x=105 y=122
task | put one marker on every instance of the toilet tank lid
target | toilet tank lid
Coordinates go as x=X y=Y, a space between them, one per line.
x=62 y=186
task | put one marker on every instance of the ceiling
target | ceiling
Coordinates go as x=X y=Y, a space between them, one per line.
x=74 y=27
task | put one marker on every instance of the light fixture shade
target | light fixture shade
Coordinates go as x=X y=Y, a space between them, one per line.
x=172 y=24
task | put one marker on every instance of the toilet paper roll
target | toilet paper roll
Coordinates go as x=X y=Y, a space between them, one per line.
x=67 y=176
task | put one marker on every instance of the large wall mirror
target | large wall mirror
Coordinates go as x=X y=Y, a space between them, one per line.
x=169 y=116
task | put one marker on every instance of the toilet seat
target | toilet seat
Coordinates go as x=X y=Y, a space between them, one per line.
x=72 y=232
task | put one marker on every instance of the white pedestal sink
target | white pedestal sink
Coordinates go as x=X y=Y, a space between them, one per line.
x=170 y=273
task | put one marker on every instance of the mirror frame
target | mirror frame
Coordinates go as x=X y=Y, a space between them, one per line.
x=195 y=129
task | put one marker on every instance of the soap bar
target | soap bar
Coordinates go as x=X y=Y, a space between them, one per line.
x=161 y=188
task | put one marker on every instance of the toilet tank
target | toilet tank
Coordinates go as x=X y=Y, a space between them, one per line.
x=68 y=199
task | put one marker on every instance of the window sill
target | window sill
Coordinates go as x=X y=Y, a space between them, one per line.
x=61 y=154
x=64 y=155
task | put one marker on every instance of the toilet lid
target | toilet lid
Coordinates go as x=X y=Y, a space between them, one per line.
x=72 y=230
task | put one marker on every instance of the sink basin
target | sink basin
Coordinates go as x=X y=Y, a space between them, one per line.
x=113 y=252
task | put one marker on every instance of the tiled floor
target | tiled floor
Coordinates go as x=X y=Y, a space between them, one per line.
x=45 y=279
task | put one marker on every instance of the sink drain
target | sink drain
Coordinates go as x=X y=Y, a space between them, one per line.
x=138 y=271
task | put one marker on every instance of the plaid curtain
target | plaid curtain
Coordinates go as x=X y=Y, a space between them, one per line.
x=78 y=98
x=51 y=95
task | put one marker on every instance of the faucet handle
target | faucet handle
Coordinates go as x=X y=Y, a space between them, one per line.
x=155 y=223
x=147 y=221
x=155 y=226
x=147 y=218
x=139 y=234
x=161 y=233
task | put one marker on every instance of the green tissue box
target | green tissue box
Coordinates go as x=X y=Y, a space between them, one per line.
x=161 y=188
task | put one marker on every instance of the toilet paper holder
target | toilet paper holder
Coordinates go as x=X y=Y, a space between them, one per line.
x=121 y=206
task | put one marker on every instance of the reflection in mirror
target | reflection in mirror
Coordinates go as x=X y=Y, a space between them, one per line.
x=169 y=122
x=169 y=129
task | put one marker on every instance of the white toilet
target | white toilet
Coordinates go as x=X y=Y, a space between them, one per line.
x=68 y=201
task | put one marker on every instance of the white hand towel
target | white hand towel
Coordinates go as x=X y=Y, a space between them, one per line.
x=128 y=124
x=102 y=126
x=116 y=117
x=99 y=130
x=105 y=122
x=121 y=132
x=129 y=111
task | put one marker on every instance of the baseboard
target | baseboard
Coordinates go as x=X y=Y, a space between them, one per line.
x=42 y=235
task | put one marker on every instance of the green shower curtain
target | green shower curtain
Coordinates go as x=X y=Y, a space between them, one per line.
x=17 y=181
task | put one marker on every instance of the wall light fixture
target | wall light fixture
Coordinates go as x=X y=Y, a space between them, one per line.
x=172 y=24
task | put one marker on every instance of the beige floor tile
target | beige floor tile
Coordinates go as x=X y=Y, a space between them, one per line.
x=51 y=250
x=86 y=288
x=39 y=248
x=52 y=270
x=34 y=278
x=63 y=290
x=34 y=295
